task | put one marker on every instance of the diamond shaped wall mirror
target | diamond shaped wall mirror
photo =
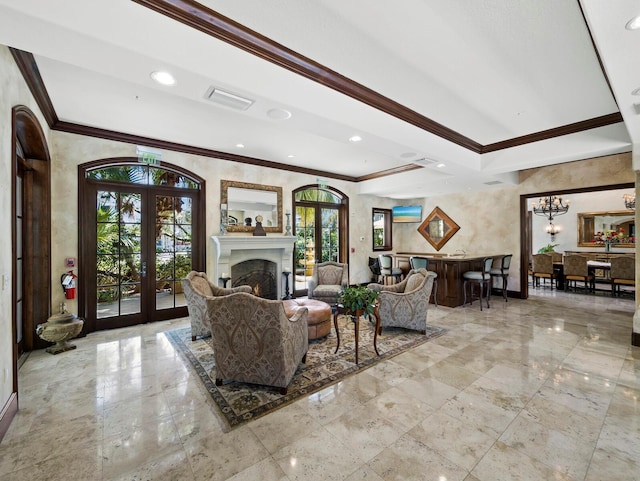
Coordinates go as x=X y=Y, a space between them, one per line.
x=437 y=228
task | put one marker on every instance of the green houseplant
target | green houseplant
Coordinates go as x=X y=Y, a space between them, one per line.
x=548 y=248
x=358 y=300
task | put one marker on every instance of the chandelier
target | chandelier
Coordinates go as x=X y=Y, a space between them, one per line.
x=629 y=201
x=552 y=230
x=550 y=206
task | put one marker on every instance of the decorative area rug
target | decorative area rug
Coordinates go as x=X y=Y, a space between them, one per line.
x=240 y=402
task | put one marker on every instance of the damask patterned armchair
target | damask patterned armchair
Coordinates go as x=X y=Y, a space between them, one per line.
x=405 y=304
x=197 y=288
x=327 y=281
x=254 y=341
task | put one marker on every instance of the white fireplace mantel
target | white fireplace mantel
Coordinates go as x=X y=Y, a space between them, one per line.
x=230 y=250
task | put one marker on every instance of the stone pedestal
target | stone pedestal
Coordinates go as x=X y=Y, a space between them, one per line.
x=59 y=328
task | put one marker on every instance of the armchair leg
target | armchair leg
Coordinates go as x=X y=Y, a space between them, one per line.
x=218 y=382
x=193 y=338
x=304 y=358
x=283 y=390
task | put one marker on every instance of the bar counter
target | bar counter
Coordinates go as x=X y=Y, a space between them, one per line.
x=449 y=269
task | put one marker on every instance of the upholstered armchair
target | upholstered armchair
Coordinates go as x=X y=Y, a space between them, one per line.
x=254 y=341
x=197 y=288
x=327 y=281
x=405 y=304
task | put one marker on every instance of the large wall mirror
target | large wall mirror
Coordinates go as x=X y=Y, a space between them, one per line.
x=245 y=201
x=617 y=225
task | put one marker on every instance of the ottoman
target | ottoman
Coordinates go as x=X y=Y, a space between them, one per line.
x=319 y=319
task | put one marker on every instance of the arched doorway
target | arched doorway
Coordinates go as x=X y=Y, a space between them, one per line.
x=141 y=232
x=31 y=232
x=321 y=230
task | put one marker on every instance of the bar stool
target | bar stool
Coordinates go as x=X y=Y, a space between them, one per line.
x=482 y=278
x=503 y=272
x=387 y=269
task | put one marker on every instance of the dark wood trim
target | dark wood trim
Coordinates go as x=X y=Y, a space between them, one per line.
x=36 y=221
x=188 y=149
x=210 y=22
x=635 y=341
x=573 y=128
x=27 y=65
x=7 y=414
x=214 y=24
x=524 y=261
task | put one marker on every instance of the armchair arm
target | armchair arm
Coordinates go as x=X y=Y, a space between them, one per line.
x=225 y=291
x=300 y=315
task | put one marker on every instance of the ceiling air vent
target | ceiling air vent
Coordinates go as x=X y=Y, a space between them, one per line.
x=493 y=182
x=425 y=162
x=227 y=99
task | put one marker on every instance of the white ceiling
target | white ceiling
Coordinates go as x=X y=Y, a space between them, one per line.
x=491 y=71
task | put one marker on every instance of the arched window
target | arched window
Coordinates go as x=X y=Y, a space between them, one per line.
x=142 y=231
x=321 y=230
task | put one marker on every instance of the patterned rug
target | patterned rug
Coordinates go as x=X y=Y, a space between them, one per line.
x=240 y=402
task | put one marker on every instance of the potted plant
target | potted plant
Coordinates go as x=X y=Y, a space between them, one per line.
x=548 y=248
x=358 y=300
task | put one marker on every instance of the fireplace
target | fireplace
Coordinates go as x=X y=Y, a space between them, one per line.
x=231 y=251
x=260 y=274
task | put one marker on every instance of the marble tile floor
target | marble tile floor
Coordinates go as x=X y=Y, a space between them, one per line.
x=542 y=389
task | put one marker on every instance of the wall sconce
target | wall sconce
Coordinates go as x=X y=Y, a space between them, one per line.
x=552 y=230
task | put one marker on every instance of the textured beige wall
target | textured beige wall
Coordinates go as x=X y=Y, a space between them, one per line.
x=70 y=150
x=13 y=92
x=490 y=219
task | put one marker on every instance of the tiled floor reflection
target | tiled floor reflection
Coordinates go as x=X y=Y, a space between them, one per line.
x=543 y=389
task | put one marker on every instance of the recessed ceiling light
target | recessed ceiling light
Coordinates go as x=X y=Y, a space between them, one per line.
x=355 y=138
x=163 y=78
x=633 y=24
x=440 y=166
x=291 y=156
x=279 y=114
x=240 y=146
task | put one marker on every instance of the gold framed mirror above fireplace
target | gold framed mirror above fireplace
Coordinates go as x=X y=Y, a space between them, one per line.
x=245 y=201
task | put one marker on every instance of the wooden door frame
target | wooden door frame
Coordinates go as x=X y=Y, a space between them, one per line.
x=343 y=221
x=27 y=131
x=524 y=259
x=85 y=270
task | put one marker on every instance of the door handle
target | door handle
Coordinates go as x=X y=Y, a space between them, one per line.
x=143 y=270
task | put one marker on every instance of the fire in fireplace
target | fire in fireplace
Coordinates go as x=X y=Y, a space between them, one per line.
x=259 y=274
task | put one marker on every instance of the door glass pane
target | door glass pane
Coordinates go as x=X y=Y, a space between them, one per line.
x=118 y=260
x=173 y=249
x=330 y=236
x=305 y=246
